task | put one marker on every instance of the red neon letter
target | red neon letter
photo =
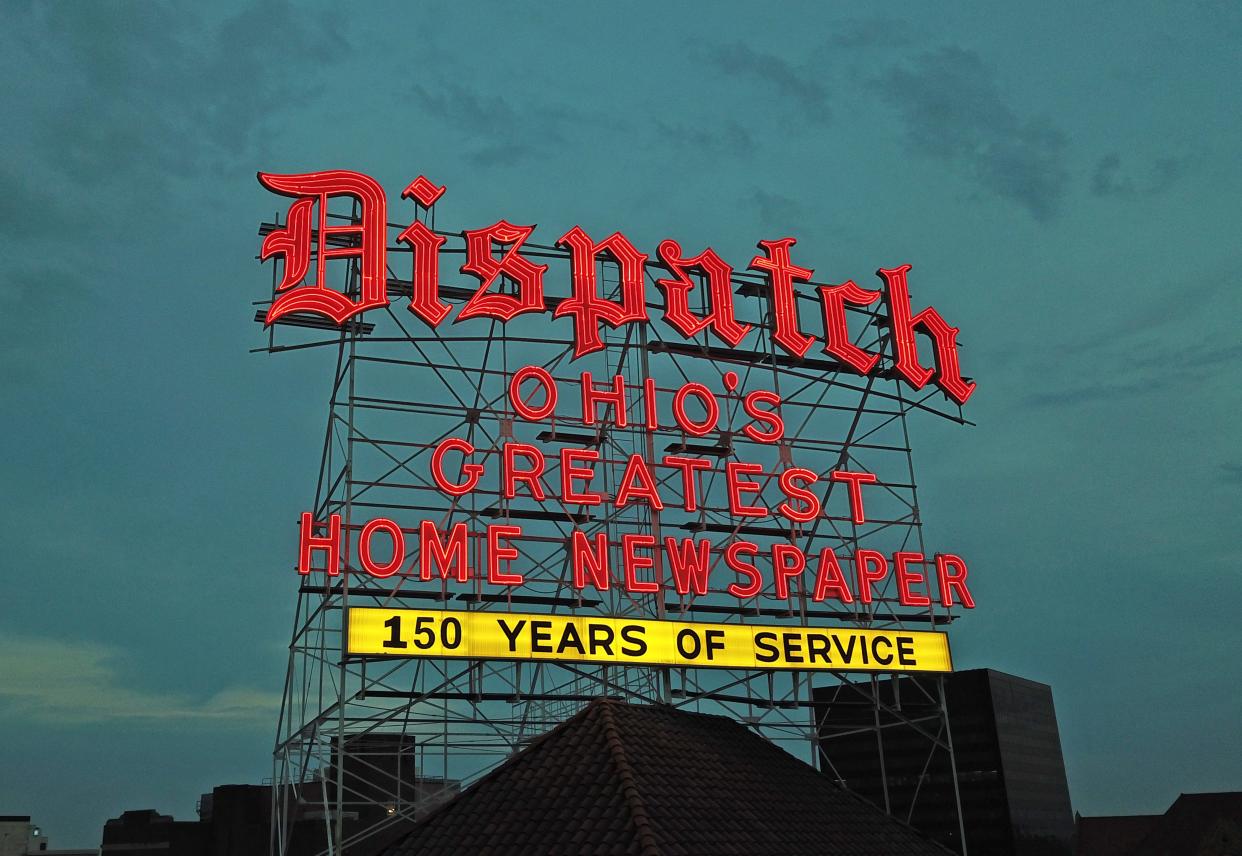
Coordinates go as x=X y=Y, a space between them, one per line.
x=907 y=577
x=829 y=580
x=871 y=567
x=571 y=473
x=744 y=568
x=367 y=243
x=497 y=554
x=689 y=561
x=789 y=484
x=472 y=472
x=951 y=573
x=591 y=396
x=590 y=562
x=712 y=409
x=949 y=375
x=634 y=563
x=308 y=542
x=855 y=481
x=781 y=274
x=787 y=561
x=586 y=306
x=689 y=492
x=734 y=470
x=364 y=547
x=425 y=248
x=836 y=333
x=482 y=264
x=513 y=475
x=677 y=294
x=638 y=481
x=448 y=558
x=520 y=406
x=751 y=405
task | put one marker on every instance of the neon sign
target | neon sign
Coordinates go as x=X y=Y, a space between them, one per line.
x=698 y=297
x=306 y=238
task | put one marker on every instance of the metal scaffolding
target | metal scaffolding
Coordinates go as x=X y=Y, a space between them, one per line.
x=398 y=387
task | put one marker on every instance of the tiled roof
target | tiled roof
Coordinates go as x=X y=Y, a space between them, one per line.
x=636 y=779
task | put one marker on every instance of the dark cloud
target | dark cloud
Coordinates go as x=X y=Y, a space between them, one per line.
x=1143 y=369
x=777 y=210
x=720 y=138
x=800 y=87
x=499 y=132
x=954 y=111
x=1111 y=179
x=152 y=88
x=1231 y=473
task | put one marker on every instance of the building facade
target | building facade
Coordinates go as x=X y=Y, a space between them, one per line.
x=1009 y=768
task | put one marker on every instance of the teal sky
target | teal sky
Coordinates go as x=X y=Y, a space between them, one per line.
x=1064 y=180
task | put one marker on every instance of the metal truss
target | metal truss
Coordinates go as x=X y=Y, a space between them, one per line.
x=398 y=388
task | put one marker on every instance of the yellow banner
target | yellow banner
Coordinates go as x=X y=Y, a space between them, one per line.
x=623 y=641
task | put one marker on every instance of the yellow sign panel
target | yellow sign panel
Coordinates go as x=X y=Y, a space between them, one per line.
x=623 y=641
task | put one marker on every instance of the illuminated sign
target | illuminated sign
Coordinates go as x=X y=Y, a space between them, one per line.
x=729 y=446
x=308 y=238
x=640 y=642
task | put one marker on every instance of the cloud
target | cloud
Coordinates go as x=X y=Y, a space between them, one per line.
x=1109 y=178
x=720 y=138
x=151 y=90
x=809 y=94
x=1231 y=473
x=72 y=682
x=954 y=111
x=500 y=133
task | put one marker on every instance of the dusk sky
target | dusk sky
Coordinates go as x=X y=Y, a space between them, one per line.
x=1064 y=178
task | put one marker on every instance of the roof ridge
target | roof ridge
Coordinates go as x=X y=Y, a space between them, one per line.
x=629 y=788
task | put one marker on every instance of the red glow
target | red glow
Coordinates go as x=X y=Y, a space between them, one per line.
x=733 y=558
x=634 y=562
x=293 y=242
x=590 y=561
x=734 y=472
x=637 y=480
x=810 y=502
x=871 y=567
x=364 y=547
x=591 y=395
x=546 y=383
x=907 y=577
x=951 y=574
x=836 y=333
x=530 y=475
x=448 y=557
x=425 y=248
x=787 y=561
x=497 y=553
x=677 y=294
x=829 y=580
x=776 y=424
x=781 y=275
x=472 y=472
x=855 y=481
x=482 y=264
x=688 y=467
x=707 y=399
x=308 y=542
x=571 y=473
x=948 y=374
x=689 y=562
x=586 y=306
